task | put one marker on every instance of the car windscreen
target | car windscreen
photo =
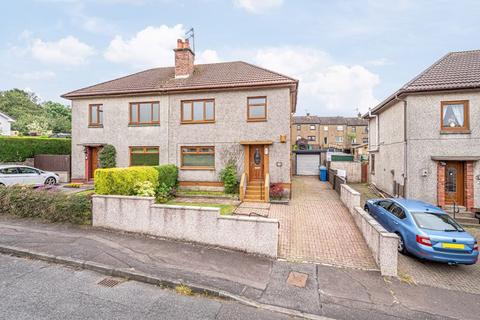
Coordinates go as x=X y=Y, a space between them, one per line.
x=436 y=222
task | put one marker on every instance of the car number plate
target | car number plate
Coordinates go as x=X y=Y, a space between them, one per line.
x=453 y=245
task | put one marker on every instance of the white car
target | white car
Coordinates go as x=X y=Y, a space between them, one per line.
x=23 y=175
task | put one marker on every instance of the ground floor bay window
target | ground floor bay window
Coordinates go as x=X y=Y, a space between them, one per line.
x=144 y=156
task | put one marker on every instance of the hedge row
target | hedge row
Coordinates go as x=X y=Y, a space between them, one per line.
x=16 y=149
x=54 y=206
x=122 y=181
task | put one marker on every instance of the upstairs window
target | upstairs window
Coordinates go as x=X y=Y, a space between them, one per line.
x=325 y=128
x=455 y=116
x=312 y=127
x=299 y=127
x=339 y=128
x=144 y=156
x=198 y=111
x=95 y=115
x=311 y=138
x=257 y=109
x=339 y=139
x=144 y=113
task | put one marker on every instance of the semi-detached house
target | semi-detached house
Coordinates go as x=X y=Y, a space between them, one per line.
x=425 y=138
x=196 y=116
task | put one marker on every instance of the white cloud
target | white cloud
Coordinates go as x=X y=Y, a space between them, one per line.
x=35 y=75
x=258 y=6
x=89 y=22
x=66 y=51
x=150 y=47
x=326 y=87
x=208 y=56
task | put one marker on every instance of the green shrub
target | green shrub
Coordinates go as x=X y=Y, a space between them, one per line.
x=108 y=157
x=164 y=193
x=168 y=174
x=228 y=176
x=121 y=181
x=144 y=189
x=48 y=204
x=15 y=149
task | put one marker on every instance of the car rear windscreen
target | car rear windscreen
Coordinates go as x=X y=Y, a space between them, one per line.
x=437 y=222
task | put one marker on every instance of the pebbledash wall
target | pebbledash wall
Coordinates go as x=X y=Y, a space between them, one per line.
x=196 y=224
x=230 y=128
x=424 y=140
x=381 y=243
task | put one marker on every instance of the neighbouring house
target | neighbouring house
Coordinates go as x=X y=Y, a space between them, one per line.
x=196 y=116
x=339 y=133
x=425 y=138
x=5 y=124
x=360 y=152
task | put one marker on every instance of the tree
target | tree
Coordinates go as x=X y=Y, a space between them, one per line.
x=25 y=108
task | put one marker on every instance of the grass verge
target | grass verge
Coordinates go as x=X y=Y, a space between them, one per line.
x=225 y=209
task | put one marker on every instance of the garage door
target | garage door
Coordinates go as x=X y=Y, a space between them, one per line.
x=307 y=164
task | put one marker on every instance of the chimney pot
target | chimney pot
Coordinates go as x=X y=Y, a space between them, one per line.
x=184 y=59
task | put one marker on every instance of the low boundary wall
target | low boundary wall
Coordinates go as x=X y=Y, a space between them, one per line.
x=382 y=244
x=197 y=224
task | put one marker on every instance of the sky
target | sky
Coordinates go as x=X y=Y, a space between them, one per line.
x=348 y=54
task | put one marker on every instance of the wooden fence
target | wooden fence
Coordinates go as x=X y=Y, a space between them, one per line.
x=50 y=162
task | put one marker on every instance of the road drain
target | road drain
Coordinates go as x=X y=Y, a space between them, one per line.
x=110 y=282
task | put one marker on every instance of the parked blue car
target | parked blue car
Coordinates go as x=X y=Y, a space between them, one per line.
x=424 y=230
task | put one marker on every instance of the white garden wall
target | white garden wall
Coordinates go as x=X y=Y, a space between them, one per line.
x=381 y=243
x=196 y=224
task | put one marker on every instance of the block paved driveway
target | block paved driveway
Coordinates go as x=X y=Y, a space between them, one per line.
x=317 y=227
x=460 y=278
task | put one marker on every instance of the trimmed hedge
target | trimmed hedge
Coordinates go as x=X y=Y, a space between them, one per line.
x=168 y=175
x=17 y=149
x=121 y=181
x=51 y=205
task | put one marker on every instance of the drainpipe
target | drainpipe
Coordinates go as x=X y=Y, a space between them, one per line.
x=405 y=149
x=377 y=133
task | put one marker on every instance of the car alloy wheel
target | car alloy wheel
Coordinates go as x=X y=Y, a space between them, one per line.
x=50 y=181
x=401 y=244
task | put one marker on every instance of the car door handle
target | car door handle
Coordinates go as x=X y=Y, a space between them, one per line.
x=395 y=222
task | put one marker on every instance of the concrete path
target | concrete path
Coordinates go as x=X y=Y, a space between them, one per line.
x=317 y=227
x=306 y=290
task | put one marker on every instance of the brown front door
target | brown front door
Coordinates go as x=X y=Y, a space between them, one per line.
x=92 y=161
x=454 y=183
x=256 y=162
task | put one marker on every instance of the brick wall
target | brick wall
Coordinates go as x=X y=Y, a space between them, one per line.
x=469 y=198
x=440 y=184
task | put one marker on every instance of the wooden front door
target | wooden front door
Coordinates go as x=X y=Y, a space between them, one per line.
x=256 y=162
x=454 y=183
x=92 y=161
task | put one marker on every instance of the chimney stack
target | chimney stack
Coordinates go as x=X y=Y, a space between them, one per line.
x=184 y=58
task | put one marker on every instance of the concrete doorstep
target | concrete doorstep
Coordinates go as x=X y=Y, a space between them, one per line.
x=300 y=290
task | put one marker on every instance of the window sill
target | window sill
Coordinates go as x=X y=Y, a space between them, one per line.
x=257 y=120
x=95 y=125
x=198 y=168
x=197 y=122
x=144 y=124
x=455 y=132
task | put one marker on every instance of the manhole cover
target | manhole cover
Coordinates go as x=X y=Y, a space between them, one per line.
x=297 y=279
x=110 y=282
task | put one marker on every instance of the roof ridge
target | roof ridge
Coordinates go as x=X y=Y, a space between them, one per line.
x=466 y=51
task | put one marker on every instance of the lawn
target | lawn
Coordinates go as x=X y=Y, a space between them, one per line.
x=204 y=193
x=225 y=209
x=365 y=191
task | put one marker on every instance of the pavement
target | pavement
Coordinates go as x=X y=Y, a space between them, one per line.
x=317 y=227
x=32 y=289
x=311 y=291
